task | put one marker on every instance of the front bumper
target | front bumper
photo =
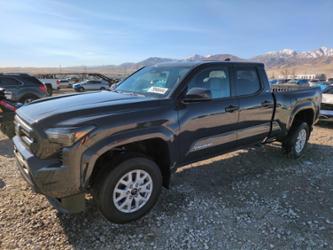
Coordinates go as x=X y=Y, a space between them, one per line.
x=49 y=177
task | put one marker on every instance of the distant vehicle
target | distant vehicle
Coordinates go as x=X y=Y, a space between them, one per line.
x=300 y=82
x=64 y=83
x=7 y=114
x=50 y=83
x=281 y=81
x=91 y=85
x=317 y=83
x=330 y=81
x=274 y=81
x=326 y=108
x=23 y=88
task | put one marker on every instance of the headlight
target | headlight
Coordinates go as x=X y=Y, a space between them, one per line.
x=67 y=136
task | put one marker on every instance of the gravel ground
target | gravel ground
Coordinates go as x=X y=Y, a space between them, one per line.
x=247 y=199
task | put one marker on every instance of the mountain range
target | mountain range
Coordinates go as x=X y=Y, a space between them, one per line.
x=302 y=62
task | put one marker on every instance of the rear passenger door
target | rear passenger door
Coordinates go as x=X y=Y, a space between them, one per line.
x=255 y=105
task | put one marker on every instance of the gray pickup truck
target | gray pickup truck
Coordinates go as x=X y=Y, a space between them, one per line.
x=123 y=145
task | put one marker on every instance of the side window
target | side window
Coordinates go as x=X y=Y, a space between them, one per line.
x=6 y=81
x=216 y=80
x=247 y=82
x=30 y=81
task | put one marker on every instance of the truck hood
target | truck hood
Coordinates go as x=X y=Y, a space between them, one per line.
x=78 y=105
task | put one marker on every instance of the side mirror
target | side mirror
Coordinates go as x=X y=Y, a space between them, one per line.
x=198 y=95
x=114 y=85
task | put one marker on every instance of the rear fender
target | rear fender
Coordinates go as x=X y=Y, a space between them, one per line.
x=299 y=108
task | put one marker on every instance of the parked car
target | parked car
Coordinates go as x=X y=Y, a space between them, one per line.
x=64 y=83
x=300 y=82
x=50 y=83
x=326 y=109
x=23 y=87
x=281 y=81
x=7 y=113
x=273 y=81
x=330 y=81
x=317 y=83
x=91 y=85
x=123 y=145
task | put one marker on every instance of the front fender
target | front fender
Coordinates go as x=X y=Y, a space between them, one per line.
x=91 y=155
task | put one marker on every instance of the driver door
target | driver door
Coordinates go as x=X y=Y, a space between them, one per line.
x=208 y=128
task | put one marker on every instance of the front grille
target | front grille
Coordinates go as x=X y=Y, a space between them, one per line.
x=325 y=106
x=24 y=131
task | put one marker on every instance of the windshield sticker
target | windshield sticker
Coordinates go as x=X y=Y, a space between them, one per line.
x=157 y=90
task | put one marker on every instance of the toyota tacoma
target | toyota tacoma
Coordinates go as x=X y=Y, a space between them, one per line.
x=123 y=145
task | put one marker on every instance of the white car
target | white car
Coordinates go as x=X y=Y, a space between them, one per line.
x=91 y=85
x=326 y=109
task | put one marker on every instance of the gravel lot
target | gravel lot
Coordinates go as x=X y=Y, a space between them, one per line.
x=253 y=198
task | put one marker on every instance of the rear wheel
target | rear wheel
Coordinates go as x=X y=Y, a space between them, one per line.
x=49 y=89
x=297 y=140
x=129 y=190
x=28 y=99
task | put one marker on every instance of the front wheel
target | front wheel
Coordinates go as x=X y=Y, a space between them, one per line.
x=27 y=99
x=296 y=141
x=129 y=190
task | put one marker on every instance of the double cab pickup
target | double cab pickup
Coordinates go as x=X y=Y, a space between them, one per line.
x=123 y=145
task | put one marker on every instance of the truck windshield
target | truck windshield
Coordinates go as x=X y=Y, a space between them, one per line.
x=154 y=81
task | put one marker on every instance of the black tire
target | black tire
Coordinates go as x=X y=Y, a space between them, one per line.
x=81 y=89
x=28 y=98
x=106 y=182
x=290 y=144
x=102 y=88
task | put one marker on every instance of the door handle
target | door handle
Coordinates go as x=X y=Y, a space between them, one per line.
x=266 y=103
x=231 y=108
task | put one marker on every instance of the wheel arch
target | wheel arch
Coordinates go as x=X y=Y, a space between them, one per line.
x=25 y=96
x=156 y=146
x=304 y=113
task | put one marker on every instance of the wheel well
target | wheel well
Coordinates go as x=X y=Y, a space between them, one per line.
x=155 y=149
x=27 y=96
x=304 y=116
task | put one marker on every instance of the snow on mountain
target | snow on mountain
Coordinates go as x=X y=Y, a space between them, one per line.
x=289 y=57
x=320 y=52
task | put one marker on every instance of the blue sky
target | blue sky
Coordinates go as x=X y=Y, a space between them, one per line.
x=53 y=33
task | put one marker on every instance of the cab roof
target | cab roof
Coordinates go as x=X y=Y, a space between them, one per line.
x=194 y=64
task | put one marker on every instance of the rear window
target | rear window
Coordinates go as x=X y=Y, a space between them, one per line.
x=247 y=82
